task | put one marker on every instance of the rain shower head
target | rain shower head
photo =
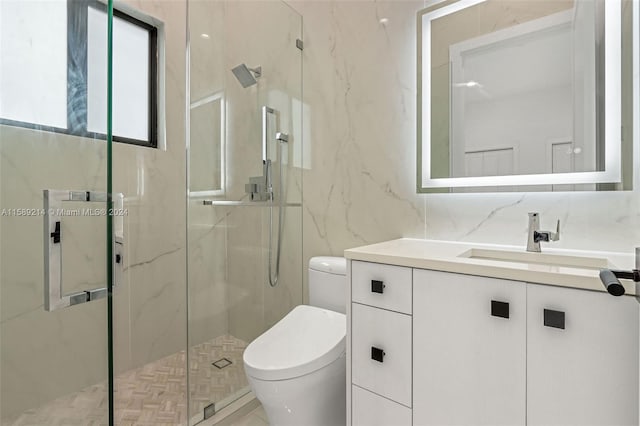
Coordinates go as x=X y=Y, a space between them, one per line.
x=247 y=76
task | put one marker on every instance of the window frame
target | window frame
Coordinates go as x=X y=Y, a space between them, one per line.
x=77 y=96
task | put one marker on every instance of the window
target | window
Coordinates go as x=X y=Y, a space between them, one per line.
x=54 y=70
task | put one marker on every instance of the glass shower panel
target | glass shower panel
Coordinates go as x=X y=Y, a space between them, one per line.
x=231 y=238
x=149 y=321
x=53 y=221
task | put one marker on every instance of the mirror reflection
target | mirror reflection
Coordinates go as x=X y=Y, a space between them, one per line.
x=207 y=146
x=522 y=90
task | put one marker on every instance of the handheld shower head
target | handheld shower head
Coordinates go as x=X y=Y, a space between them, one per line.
x=247 y=76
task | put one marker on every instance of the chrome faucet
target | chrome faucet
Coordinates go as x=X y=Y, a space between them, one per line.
x=535 y=235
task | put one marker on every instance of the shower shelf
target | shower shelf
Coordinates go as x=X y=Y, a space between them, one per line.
x=246 y=203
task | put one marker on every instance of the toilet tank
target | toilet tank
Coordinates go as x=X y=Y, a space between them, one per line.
x=328 y=283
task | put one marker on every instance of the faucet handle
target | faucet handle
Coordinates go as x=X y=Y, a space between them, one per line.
x=555 y=236
x=547 y=235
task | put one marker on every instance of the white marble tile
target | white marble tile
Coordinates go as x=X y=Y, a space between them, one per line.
x=207 y=28
x=360 y=88
x=246 y=273
x=589 y=220
x=208 y=311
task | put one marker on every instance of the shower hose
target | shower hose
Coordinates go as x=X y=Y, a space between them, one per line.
x=273 y=279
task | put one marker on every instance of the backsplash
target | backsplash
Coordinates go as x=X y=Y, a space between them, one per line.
x=605 y=221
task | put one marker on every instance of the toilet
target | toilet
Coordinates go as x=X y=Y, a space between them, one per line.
x=297 y=368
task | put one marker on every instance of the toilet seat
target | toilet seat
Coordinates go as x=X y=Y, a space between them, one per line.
x=305 y=340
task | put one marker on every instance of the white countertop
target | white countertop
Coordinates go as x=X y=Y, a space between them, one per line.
x=455 y=257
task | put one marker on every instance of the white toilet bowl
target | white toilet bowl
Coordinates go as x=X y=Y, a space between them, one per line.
x=297 y=368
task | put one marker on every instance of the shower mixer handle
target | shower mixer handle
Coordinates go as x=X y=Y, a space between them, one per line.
x=282 y=137
x=257 y=189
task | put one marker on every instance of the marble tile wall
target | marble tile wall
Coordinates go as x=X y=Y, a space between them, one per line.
x=360 y=90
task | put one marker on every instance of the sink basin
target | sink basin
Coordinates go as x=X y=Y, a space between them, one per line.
x=581 y=262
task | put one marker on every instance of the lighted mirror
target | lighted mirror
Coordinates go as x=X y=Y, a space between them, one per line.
x=520 y=95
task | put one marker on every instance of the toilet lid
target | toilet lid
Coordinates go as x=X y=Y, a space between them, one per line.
x=304 y=341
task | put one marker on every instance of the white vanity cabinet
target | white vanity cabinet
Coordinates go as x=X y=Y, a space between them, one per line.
x=587 y=372
x=469 y=346
x=474 y=350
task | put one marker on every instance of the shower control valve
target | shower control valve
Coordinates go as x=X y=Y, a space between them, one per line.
x=257 y=189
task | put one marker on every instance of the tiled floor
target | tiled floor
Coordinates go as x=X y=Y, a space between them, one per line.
x=153 y=394
x=257 y=417
x=213 y=385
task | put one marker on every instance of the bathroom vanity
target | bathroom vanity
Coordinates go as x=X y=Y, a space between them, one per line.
x=452 y=333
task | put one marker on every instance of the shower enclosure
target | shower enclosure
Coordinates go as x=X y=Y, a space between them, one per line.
x=118 y=305
x=245 y=161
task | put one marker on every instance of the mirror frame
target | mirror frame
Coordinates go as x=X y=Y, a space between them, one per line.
x=612 y=106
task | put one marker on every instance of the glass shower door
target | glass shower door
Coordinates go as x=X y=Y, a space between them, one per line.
x=244 y=189
x=54 y=213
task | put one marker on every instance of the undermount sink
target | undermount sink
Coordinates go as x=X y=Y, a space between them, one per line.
x=558 y=260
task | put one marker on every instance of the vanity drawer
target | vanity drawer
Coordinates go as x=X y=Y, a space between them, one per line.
x=384 y=286
x=381 y=352
x=370 y=409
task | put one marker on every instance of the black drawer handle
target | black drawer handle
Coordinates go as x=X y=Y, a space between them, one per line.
x=554 y=319
x=499 y=309
x=377 y=354
x=377 y=286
